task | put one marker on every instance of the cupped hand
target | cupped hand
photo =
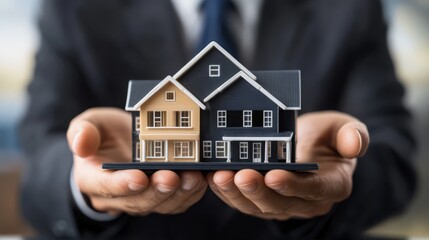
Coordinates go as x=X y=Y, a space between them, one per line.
x=332 y=139
x=101 y=135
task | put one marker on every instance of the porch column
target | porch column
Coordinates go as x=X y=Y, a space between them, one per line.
x=228 y=151
x=143 y=150
x=166 y=150
x=266 y=152
x=288 y=149
x=197 y=154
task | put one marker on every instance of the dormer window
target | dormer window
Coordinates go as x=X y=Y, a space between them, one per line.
x=214 y=70
x=170 y=96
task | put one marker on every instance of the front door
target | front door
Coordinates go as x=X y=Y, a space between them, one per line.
x=257 y=152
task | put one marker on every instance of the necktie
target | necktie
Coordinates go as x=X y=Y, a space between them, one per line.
x=216 y=27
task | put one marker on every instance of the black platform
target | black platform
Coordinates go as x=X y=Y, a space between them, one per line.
x=210 y=166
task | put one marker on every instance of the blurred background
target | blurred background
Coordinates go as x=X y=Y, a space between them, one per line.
x=409 y=44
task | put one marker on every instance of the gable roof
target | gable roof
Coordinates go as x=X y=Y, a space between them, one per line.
x=284 y=85
x=162 y=84
x=252 y=82
x=210 y=46
x=138 y=89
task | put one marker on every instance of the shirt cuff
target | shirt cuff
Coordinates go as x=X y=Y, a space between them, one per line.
x=83 y=206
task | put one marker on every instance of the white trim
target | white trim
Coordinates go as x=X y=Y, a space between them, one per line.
x=181 y=145
x=170 y=100
x=162 y=84
x=249 y=80
x=270 y=117
x=197 y=57
x=224 y=118
x=207 y=144
x=214 y=68
x=197 y=153
x=269 y=148
x=164 y=134
x=257 y=153
x=247 y=118
x=151 y=144
x=180 y=120
x=266 y=152
x=130 y=83
x=244 y=138
x=223 y=148
x=243 y=150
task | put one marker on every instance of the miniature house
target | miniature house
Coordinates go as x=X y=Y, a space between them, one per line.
x=215 y=110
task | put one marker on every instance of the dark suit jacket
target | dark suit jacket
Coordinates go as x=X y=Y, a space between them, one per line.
x=91 y=48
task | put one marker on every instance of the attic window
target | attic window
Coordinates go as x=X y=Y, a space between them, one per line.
x=170 y=96
x=214 y=70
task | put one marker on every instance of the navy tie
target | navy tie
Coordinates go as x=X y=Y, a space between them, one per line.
x=216 y=27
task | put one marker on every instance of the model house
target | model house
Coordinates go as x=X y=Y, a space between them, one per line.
x=215 y=110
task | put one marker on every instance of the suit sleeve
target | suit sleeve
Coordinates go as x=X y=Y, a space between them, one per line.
x=385 y=180
x=56 y=94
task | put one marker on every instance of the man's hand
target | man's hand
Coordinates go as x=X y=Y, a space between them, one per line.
x=103 y=135
x=332 y=139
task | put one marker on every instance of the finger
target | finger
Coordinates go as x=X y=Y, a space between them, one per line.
x=224 y=182
x=163 y=184
x=83 y=137
x=94 y=181
x=342 y=132
x=327 y=185
x=97 y=126
x=216 y=191
x=352 y=140
x=251 y=184
x=192 y=188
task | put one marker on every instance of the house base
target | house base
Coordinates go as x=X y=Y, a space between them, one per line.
x=150 y=167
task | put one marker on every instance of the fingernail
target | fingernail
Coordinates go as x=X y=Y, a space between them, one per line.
x=76 y=138
x=164 y=188
x=135 y=187
x=188 y=184
x=360 y=141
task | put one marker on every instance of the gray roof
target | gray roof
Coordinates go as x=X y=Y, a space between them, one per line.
x=138 y=89
x=285 y=85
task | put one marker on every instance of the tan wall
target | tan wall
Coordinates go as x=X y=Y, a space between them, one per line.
x=170 y=132
x=157 y=103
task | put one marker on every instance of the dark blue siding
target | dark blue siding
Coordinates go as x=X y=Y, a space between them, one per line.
x=197 y=79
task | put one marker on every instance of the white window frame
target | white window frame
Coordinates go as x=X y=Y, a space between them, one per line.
x=268 y=118
x=155 y=149
x=173 y=94
x=269 y=149
x=257 y=152
x=182 y=147
x=247 y=118
x=138 y=150
x=156 y=120
x=207 y=149
x=244 y=150
x=221 y=147
x=221 y=118
x=183 y=119
x=137 y=123
x=214 y=70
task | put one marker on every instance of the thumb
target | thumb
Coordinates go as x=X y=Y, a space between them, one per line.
x=352 y=139
x=83 y=137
